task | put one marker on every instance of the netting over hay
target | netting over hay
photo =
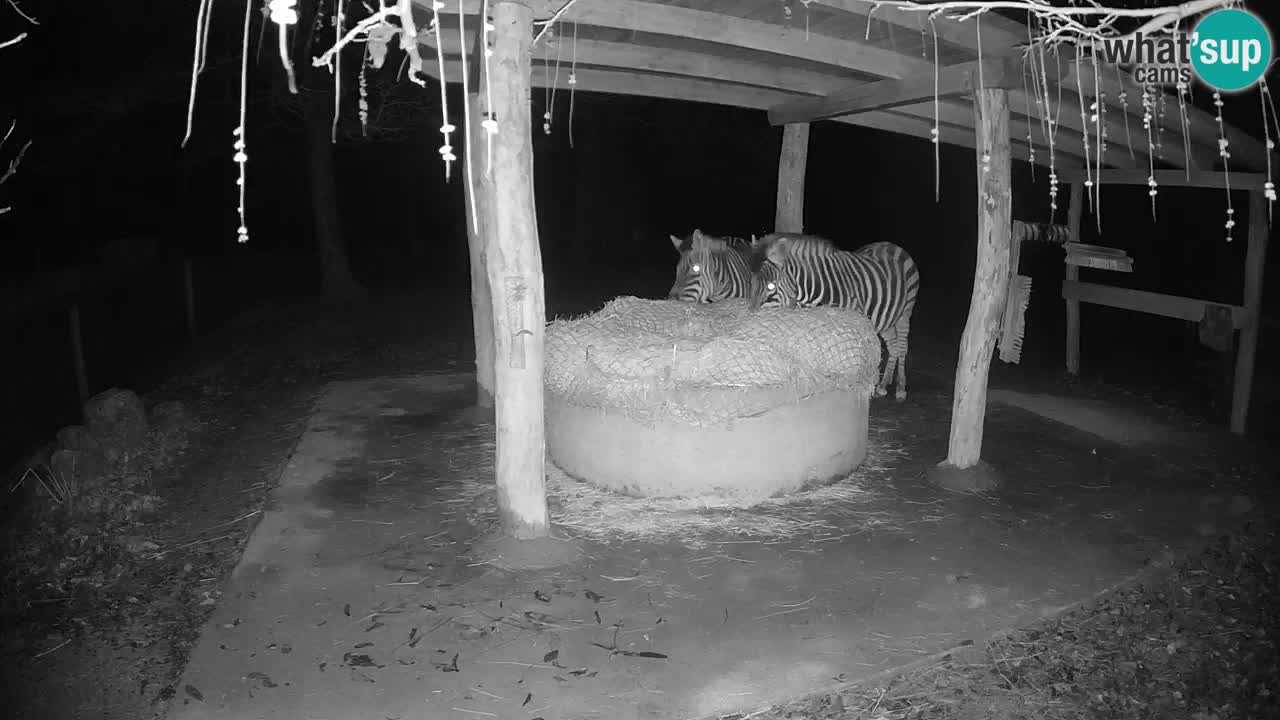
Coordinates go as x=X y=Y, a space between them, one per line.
x=707 y=364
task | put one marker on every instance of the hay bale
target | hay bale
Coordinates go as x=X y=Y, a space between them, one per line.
x=662 y=398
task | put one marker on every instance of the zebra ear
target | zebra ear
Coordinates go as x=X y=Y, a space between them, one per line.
x=678 y=243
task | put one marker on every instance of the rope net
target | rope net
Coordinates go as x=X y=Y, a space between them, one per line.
x=659 y=360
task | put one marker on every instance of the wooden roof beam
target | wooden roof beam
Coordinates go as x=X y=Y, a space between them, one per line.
x=716 y=93
x=948 y=82
x=1168 y=178
x=723 y=29
x=999 y=34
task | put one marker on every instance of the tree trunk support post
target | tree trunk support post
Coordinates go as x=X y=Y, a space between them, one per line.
x=477 y=238
x=1074 y=214
x=793 y=160
x=513 y=268
x=963 y=469
x=1255 y=261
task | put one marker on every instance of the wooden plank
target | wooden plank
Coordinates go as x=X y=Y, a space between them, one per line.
x=1170 y=178
x=1075 y=212
x=513 y=266
x=1101 y=263
x=1254 y=266
x=1171 y=306
x=991 y=279
x=793 y=160
x=951 y=81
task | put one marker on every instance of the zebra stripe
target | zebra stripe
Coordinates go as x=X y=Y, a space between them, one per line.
x=880 y=280
x=710 y=269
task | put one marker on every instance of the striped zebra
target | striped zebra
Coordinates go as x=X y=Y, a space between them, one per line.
x=711 y=269
x=880 y=280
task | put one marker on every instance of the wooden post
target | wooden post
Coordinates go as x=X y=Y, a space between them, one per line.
x=189 y=295
x=990 y=288
x=513 y=266
x=1255 y=261
x=792 y=162
x=1074 y=213
x=77 y=352
x=477 y=237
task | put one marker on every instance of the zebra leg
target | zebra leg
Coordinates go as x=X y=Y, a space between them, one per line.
x=882 y=387
x=902 y=332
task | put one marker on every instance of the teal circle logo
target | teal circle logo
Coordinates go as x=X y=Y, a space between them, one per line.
x=1231 y=49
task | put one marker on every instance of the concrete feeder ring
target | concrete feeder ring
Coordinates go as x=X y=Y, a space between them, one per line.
x=660 y=398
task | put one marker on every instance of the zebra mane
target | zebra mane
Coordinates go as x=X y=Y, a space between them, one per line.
x=779 y=247
x=711 y=243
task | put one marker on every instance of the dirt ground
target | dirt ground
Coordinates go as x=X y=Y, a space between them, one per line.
x=1191 y=637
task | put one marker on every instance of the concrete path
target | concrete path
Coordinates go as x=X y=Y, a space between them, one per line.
x=358 y=595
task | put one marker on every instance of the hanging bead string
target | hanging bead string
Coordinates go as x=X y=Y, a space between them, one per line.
x=197 y=61
x=1160 y=115
x=1088 y=183
x=1264 y=96
x=1147 y=118
x=446 y=127
x=1225 y=154
x=490 y=122
x=573 y=80
x=806 y=19
x=468 y=146
x=982 y=85
x=337 y=72
x=1184 y=122
x=283 y=15
x=1027 y=93
x=1124 y=111
x=546 y=89
x=937 y=159
x=241 y=157
x=1052 y=118
x=364 y=93
x=1100 y=129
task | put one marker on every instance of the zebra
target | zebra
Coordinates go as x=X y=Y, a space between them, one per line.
x=710 y=269
x=880 y=280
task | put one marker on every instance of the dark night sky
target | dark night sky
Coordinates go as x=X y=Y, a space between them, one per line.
x=108 y=104
x=103 y=95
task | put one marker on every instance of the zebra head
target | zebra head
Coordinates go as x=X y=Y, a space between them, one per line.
x=769 y=286
x=710 y=269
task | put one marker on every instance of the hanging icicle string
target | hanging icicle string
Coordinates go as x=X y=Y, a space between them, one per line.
x=364 y=94
x=573 y=80
x=1268 y=119
x=937 y=122
x=490 y=122
x=1084 y=125
x=284 y=14
x=469 y=146
x=1124 y=111
x=446 y=127
x=197 y=60
x=1051 y=116
x=1225 y=153
x=337 y=73
x=1147 y=119
x=1100 y=130
x=241 y=157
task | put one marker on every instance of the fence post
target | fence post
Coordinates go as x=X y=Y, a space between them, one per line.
x=189 y=293
x=77 y=352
